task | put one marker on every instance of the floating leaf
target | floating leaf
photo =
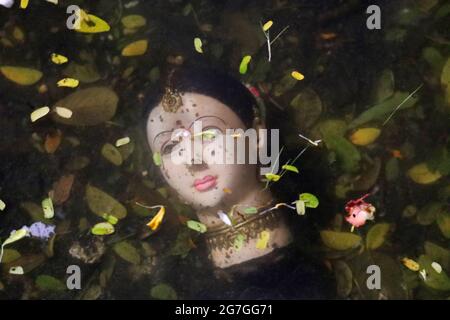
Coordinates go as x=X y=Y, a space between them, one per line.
x=297 y=75
x=411 y=264
x=90 y=106
x=250 y=210
x=157 y=159
x=377 y=235
x=16 y=270
x=86 y=73
x=340 y=240
x=24 y=4
x=310 y=200
x=10 y=255
x=438 y=253
x=62 y=188
x=16 y=235
x=47 y=207
x=127 y=252
x=420 y=173
x=52 y=141
x=435 y=280
x=92 y=24
x=49 y=283
x=379 y=111
x=443 y=222
x=344 y=278
x=157 y=219
x=100 y=203
x=39 y=113
x=263 y=240
x=198 y=45
x=163 y=291
x=135 y=48
x=111 y=219
x=122 y=141
x=34 y=210
x=365 y=136
x=102 y=229
x=133 y=21
x=300 y=207
x=272 y=177
x=285 y=84
x=68 y=82
x=197 y=226
x=267 y=25
x=63 y=112
x=288 y=167
x=384 y=87
x=58 y=58
x=112 y=154
x=306 y=108
x=428 y=214
x=244 y=64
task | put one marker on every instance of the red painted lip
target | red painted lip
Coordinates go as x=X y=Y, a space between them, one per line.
x=205 y=183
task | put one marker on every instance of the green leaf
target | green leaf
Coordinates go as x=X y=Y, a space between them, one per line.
x=157 y=159
x=250 y=210
x=197 y=226
x=9 y=255
x=377 y=235
x=127 y=252
x=239 y=240
x=272 y=177
x=163 y=291
x=381 y=110
x=392 y=170
x=434 y=280
x=49 y=283
x=340 y=240
x=428 y=214
x=102 y=229
x=344 y=277
x=288 y=167
x=310 y=200
x=443 y=222
x=385 y=86
x=112 y=154
x=102 y=203
x=47 y=207
x=244 y=64
x=438 y=254
x=306 y=108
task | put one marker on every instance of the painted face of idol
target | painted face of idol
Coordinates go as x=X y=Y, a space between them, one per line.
x=205 y=181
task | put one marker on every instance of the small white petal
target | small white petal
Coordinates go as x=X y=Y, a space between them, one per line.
x=16 y=270
x=39 y=113
x=63 y=112
x=122 y=141
x=437 y=267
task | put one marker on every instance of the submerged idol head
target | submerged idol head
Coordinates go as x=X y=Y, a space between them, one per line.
x=194 y=106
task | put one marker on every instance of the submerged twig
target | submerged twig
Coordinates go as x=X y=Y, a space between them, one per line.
x=398 y=107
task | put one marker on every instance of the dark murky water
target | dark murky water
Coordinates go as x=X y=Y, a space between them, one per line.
x=356 y=96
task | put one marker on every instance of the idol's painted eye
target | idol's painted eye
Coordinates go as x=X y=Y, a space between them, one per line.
x=211 y=133
x=168 y=147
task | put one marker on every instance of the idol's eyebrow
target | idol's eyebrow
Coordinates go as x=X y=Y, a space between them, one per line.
x=207 y=117
x=162 y=132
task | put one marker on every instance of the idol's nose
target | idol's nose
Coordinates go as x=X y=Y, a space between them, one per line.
x=197 y=167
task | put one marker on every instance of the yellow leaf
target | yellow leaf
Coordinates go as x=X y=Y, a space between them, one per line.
x=68 y=82
x=297 y=75
x=133 y=21
x=365 y=136
x=58 y=59
x=272 y=177
x=263 y=240
x=198 y=45
x=18 y=34
x=136 y=48
x=39 y=113
x=20 y=75
x=267 y=25
x=157 y=219
x=411 y=264
x=92 y=24
x=23 y=4
x=420 y=173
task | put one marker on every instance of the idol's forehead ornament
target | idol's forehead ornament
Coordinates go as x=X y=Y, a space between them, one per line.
x=171 y=100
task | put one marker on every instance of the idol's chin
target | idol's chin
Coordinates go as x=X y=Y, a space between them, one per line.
x=207 y=199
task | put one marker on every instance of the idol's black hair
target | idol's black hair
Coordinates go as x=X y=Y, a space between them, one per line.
x=210 y=82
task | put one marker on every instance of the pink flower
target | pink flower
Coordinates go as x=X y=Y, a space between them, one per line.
x=359 y=211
